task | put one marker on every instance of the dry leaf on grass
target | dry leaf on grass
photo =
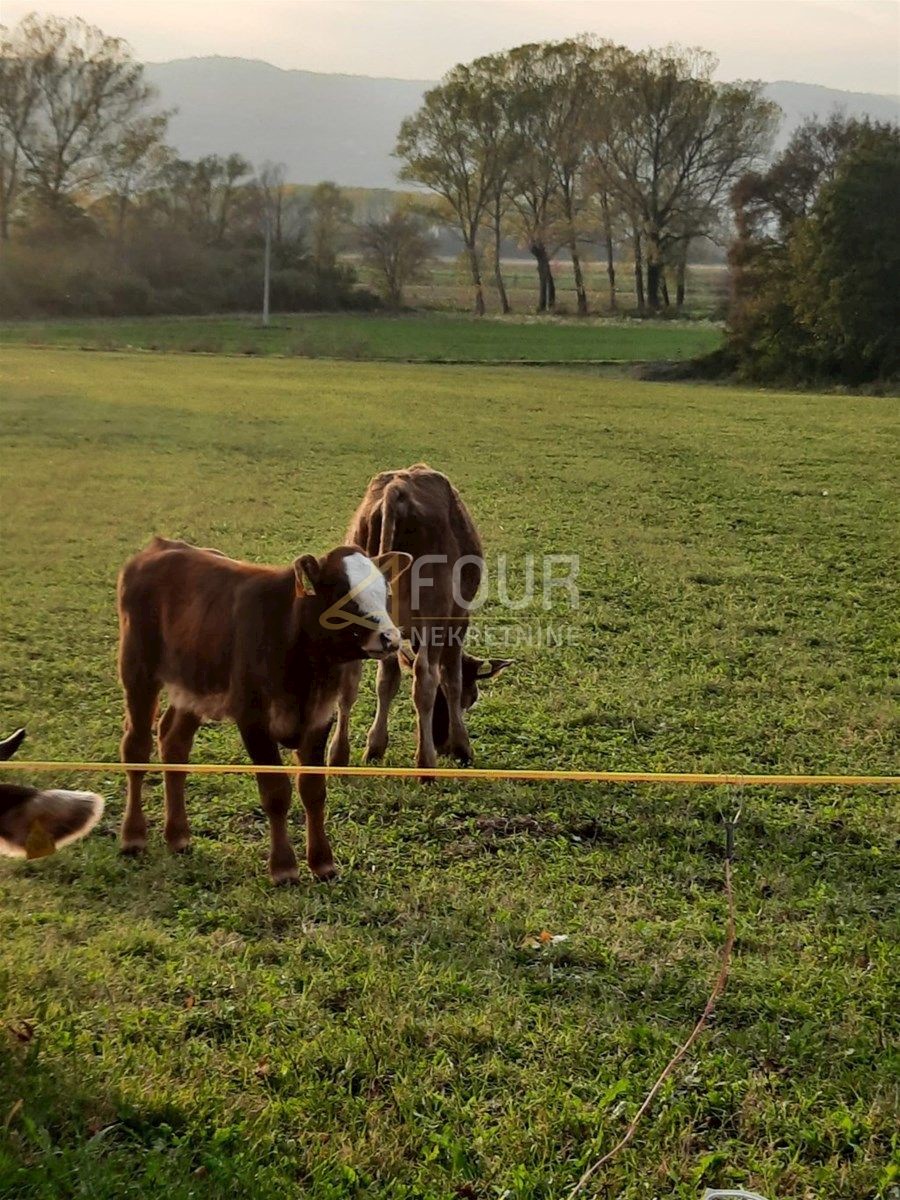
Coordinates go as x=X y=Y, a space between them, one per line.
x=544 y=938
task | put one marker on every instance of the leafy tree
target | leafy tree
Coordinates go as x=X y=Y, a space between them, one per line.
x=845 y=260
x=814 y=289
x=451 y=145
x=396 y=248
x=330 y=213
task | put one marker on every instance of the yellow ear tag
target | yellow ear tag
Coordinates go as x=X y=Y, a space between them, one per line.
x=39 y=843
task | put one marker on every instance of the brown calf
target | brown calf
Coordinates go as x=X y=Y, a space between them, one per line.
x=420 y=512
x=261 y=646
x=34 y=823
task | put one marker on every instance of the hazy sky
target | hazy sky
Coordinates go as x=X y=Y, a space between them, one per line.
x=853 y=44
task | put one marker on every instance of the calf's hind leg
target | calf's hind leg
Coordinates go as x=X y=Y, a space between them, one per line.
x=176 y=736
x=388 y=683
x=275 y=794
x=457 y=740
x=425 y=687
x=141 y=698
x=339 y=750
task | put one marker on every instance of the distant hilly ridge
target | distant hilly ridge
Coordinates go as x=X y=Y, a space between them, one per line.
x=343 y=127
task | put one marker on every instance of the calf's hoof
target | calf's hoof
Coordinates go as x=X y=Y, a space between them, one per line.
x=374 y=754
x=180 y=845
x=325 y=873
x=133 y=848
x=339 y=756
x=285 y=876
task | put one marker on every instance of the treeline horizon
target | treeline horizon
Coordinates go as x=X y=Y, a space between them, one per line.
x=561 y=145
x=555 y=147
x=99 y=214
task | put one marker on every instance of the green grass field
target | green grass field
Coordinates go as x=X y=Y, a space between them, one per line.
x=177 y=1028
x=421 y=337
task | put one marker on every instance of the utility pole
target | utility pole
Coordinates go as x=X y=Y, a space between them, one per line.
x=267 y=270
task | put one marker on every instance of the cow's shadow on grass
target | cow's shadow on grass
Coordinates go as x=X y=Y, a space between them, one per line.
x=65 y=1133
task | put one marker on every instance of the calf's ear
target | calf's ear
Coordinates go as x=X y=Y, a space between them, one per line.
x=393 y=563
x=307 y=571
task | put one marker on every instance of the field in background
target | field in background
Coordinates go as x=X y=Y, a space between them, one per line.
x=430 y=338
x=176 y=1028
x=447 y=287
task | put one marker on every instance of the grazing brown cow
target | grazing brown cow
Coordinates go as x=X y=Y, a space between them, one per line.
x=34 y=823
x=420 y=512
x=261 y=646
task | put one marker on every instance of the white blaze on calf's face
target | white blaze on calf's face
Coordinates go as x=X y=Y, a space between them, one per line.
x=368 y=590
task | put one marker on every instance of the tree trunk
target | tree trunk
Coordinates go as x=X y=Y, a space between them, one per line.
x=121 y=210
x=475 y=267
x=638 y=271
x=9 y=172
x=550 y=283
x=498 y=272
x=540 y=257
x=580 y=291
x=680 y=275
x=610 y=261
x=654 y=272
x=664 y=286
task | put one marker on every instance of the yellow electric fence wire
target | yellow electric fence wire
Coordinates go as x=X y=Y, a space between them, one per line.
x=698 y=778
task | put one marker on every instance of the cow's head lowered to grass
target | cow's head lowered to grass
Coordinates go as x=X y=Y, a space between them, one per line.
x=36 y=823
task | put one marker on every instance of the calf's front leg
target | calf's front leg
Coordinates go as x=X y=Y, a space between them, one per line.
x=319 y=857
x=275 y=793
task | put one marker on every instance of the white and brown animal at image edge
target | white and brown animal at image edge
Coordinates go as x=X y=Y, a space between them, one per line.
x=420 y=512
x=264 y=647
x=35 y=822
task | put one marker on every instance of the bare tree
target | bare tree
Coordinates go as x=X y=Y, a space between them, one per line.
x=83 y=89
x=559 y=83
x=135 y=164
x=674 y=143
x=396 y=248
x=274 y=193
x=18 y=96
x=534 y=184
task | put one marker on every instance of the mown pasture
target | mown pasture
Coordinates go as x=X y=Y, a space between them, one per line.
x=175 y=1027
x=420 y=337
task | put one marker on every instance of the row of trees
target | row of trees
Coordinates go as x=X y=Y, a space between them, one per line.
x=816 y=257
x=99 y=214
x=561 y=144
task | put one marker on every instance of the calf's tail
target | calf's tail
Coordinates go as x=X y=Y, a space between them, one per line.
x=393 y=506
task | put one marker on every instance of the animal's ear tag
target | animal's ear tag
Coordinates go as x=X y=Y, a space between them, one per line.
x=39 y=843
